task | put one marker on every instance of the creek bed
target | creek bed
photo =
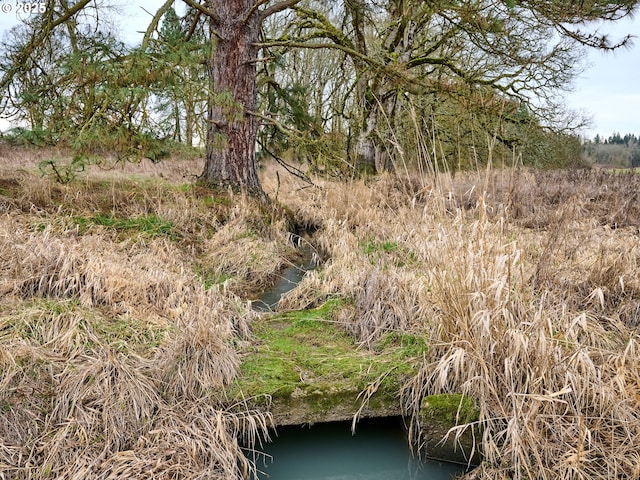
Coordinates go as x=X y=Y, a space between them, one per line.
x=288 y=279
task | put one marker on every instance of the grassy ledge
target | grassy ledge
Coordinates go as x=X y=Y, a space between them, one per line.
x=314 y=371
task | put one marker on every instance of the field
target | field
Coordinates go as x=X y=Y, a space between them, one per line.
x=126 y=303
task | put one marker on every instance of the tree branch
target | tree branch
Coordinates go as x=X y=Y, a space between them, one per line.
x=154 y=22
x=303 y=44
x=209 y=13
x=281 y=128
x=295 y=171
x=37 y=39
x=193 y=26
x=254 y=9
x=278 y=7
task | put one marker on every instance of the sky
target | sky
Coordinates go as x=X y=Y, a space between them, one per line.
x=607 y=92
x=609 y=89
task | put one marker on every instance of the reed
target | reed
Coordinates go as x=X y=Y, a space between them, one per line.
x=117 y=342
x=525 y=283
x=114 y=351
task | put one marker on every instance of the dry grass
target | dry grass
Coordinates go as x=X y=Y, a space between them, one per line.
x=526 y=284
x=116 y=344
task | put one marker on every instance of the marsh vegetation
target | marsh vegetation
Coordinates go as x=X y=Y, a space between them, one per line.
x=125 y=313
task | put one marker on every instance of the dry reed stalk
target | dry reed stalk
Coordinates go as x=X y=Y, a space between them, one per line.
x=63 y=333
x=530 y=310
x=27 y=380
x=108 y=391
x=540 y=373
x=196 y=440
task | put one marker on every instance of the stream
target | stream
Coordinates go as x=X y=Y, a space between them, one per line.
x=289 y=278
x=378 y=451
x=379 y=448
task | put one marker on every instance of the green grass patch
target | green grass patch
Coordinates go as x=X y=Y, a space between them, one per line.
x=387 y=252
x=213 y=201
x=63 y=325
x=624 y=171
x=305 y=354
x=209 y=278
x=151 y=225
x=406 y=344
x=374 y=246
x=126 y=334
x=451 y=408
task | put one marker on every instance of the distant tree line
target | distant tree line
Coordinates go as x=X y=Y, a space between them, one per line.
x=615 y=151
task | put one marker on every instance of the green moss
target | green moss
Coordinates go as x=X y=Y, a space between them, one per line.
x=387 y=252
x=373 y=246
x=209 y=277
x=149 y=225
x=451 y=408
x=406 y=344
x=307 y=356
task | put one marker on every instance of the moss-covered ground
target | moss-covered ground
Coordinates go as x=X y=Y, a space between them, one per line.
x=454 y=408
x=305 y=357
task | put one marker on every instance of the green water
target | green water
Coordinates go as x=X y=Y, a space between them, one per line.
x=377 y=451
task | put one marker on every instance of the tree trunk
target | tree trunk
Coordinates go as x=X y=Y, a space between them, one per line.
x=370 y=152
x=232 y=131
x=188 y=122
x=365 y=163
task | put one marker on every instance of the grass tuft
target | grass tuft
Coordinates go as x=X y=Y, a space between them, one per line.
x=114 y=357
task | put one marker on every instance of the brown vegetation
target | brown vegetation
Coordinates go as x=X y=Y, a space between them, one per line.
x=123 y=300
x=526 y=284
x=117 y=332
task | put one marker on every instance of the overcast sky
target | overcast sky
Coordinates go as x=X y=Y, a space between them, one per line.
x=608 y=91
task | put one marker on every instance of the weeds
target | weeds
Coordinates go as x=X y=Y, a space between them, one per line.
x=517 y=289
x=114 y=357
x=151 y=226
x=525 y=284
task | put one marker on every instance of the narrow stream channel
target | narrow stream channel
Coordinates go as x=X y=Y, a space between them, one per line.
x=378 y=451
x=288 y=279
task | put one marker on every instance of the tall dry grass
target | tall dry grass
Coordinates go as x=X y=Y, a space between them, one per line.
x=116 y=347
x=525 y=283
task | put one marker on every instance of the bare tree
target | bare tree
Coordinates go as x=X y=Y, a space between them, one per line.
x=523 y=50
x=519 y=49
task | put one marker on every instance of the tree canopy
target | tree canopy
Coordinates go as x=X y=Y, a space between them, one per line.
x=345 y=86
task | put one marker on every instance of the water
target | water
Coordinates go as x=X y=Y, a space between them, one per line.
x=378 y=451
x=288 y=280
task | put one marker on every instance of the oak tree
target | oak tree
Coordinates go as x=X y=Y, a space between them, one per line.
x=519 y=50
